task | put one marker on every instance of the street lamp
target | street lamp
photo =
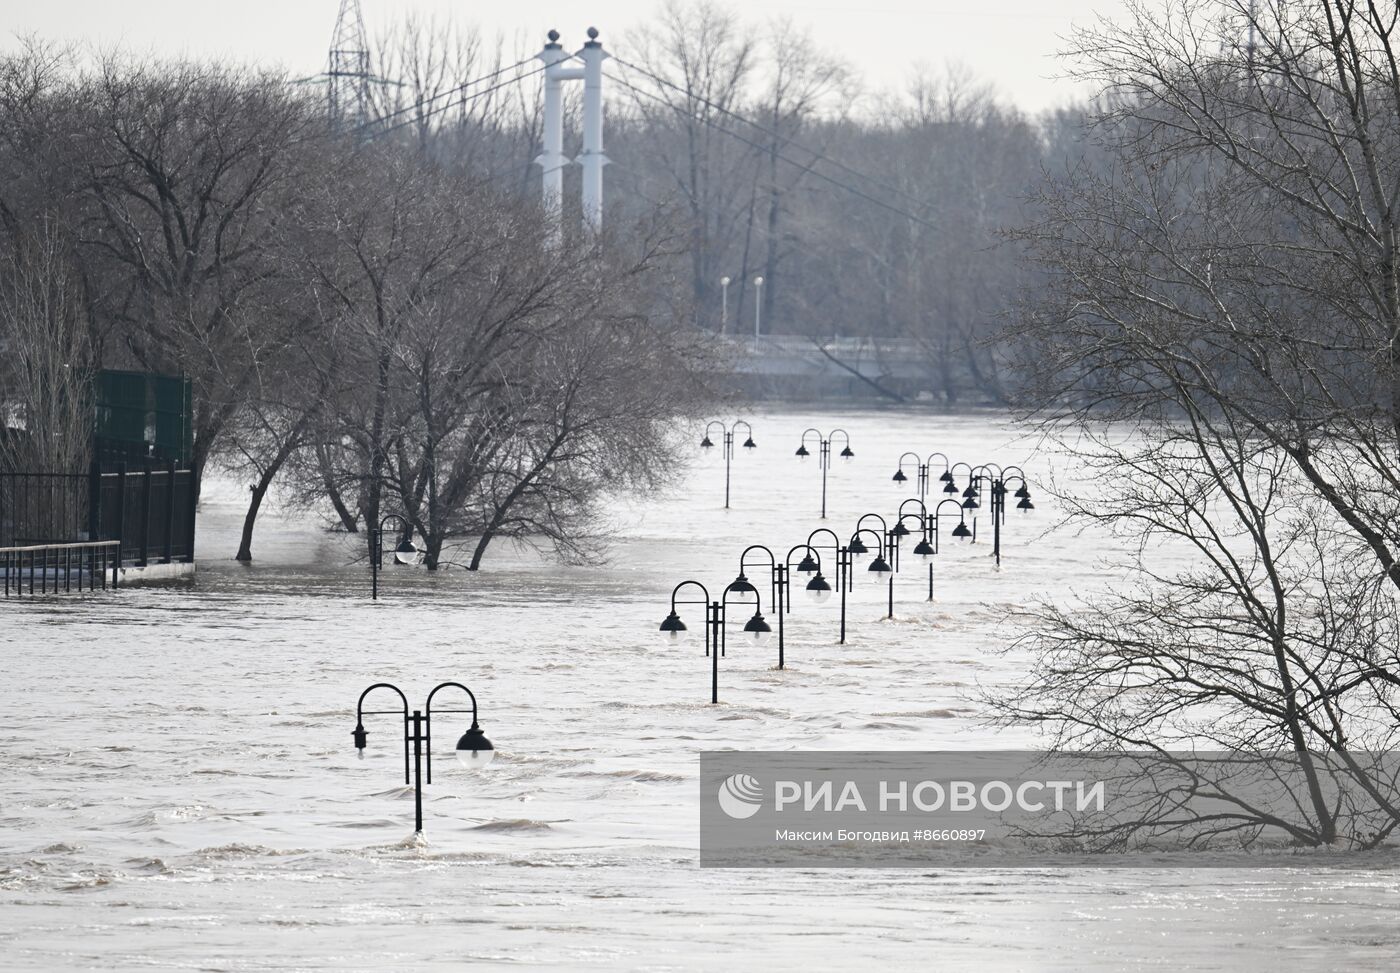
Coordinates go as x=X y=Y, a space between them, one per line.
x=724 y=304
x=998 y=492
x=824 y=453
x=923 y=470
x=727 y=439
x=882 y=567
x=474 y=751
x=757 y=308
x=818 y=588
x=780 y=584
x=673 y=629
x=924 y=549
x=404 y=551
x=960 y=531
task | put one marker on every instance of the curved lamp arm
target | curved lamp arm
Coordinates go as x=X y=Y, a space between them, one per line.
x=452 y=685
x=879 y=538
x=923 y=510
x=748 y=429
x=845 y=437
x=929 y=461
x=360 y=736
x=883 y=526
x=677 y=588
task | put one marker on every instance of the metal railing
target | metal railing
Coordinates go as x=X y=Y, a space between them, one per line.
x=150 y=509
x=59 y=568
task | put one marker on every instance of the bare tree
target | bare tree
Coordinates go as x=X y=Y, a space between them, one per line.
x=49 y=361
x=1227 y=285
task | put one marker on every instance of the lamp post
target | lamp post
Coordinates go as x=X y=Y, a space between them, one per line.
x=404 y=551
x=998 y=492
x=824 y=453
x=924 y=470
x=818 y=587
x=724 y=304
x=674 y=631
x=474 y=751
x=924 y=549
x=727 y=439
x=780 y=585
x=882 y=566
x=960 y=532
x=757 y=308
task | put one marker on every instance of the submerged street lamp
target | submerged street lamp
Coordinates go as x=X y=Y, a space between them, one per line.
x=727 y=438
x=404 y=551
x=674 y=632
x=474 y=751
x=780 y=585
x=923 y=470
x=824 y=453
x=818 y=588
x=882 y=567
x=998 y=492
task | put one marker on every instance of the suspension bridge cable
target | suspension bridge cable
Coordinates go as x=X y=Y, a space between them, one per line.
x=777 y=136
x=807 y=167
x=464 y=100
x=458 y=89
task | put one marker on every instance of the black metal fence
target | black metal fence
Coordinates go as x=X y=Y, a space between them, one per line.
x=58 y=568
x=149 y=509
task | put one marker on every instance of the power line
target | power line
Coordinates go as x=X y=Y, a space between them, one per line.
x=777 y=136
x=459 y=89
x=464 y=100
x=807 y=167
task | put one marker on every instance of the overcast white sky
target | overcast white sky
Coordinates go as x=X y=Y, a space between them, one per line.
x=1011 y=43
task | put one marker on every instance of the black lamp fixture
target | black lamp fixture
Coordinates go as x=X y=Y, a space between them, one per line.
x=824 y=443
x=727 y=436
x=922 y=469
x=673 y=631
x=818 y=588
x=404 y=551
x=474 y=751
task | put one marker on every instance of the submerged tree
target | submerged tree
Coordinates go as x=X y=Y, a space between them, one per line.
x=1226 y=285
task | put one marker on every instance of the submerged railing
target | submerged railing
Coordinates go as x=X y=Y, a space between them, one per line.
x=59 y=568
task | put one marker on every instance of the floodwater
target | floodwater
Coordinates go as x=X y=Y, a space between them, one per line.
x=180 y=790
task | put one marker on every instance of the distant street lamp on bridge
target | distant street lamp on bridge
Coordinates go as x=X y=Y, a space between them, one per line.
x=757 y=308
x=724 y=305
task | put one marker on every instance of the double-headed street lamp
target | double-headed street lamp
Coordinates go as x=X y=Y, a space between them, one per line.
x=674 y=631
x=727 y=438
x=998 y=494
x=818 y=588
x=404 y=551
x=923 y=470
x=882 y=567
x=474 y=751
x=780 y=586
x=824 y=453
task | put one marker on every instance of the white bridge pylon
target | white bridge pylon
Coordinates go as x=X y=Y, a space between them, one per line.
x=552 y=159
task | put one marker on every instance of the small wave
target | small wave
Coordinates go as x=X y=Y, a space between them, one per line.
x=644 y=776
x=60 y=848
x=149 y=866
x=84 y=881
x=515 y=824
x=239 y=850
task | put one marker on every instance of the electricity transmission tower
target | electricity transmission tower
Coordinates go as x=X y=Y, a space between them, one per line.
x=347 y=69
